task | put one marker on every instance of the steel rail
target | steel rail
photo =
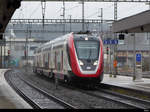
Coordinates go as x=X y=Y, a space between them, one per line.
x=113 y=100
x=26 y=98
x=127 y=102
x=110 y=96
x=59 y=101
x=100 y=96
x=137 y=100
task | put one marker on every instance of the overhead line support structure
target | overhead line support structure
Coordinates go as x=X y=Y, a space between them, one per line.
x=43 y=5
x=64 y=29
x=83 y=15
x=46 y=21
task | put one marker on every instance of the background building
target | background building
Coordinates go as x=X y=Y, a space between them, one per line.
x=23 y=38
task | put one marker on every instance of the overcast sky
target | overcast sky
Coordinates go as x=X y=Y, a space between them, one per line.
x=32 y=10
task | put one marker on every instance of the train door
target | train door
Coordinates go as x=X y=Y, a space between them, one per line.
x=62 y=60
x=46 y=60
x=38 y=60
x=55 y=60
x=43 y=60
x=58 y=61
x=58 y=64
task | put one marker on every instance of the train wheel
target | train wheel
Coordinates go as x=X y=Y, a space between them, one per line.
x=66 y=80
x=41 y=72
x=51 y=75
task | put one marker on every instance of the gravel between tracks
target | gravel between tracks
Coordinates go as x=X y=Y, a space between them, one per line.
x=73 y=97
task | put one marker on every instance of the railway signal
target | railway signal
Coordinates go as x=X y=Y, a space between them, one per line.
x=107 y=50
x=121 y=36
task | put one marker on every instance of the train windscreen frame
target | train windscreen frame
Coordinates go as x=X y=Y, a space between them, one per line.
x=87 y=50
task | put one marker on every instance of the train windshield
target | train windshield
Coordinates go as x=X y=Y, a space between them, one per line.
x=87 y=49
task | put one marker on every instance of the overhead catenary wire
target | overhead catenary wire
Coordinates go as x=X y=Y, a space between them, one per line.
x=105 y=8
x=69 y=9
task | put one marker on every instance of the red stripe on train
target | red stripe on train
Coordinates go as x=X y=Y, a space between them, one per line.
x=74 y=64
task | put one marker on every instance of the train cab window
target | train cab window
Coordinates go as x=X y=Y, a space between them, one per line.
x=87 y=49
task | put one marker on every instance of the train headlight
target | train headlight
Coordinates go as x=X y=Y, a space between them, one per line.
x=95 y=63
x=86 y=38
x=80 y=62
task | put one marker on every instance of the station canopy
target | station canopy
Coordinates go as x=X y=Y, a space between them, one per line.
x=134 y=24
x=92 y=0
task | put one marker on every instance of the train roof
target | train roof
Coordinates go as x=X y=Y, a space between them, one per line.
x=48 y=44
x=60 y=40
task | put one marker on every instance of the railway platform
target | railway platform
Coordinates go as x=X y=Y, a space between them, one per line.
x=127 y=82
x=9 y=99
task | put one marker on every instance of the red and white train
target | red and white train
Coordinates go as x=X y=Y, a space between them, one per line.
x=72 y=58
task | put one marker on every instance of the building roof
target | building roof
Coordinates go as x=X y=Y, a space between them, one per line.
x=133 y=24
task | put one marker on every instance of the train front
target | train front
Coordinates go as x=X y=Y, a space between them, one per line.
x=86 y=58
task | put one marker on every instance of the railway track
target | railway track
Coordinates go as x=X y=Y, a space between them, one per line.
x=118 y=98
x=105 y=94
x=100 y=93
x=129 y=100
x=46 y=100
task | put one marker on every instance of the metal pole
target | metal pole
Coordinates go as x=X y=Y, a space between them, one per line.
x=4 y=50
x=9 y=56
x=43 y=4
x=102 y=23
x=70 y=23
x=115 y=36
x=127 y=53
x=83 y=15
x=64 y=17
x=134 y=51
x=149 y=48
x=110 y=61
x=1 y=56
x=26 y=51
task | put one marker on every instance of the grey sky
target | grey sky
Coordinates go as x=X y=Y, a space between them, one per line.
x=32 y=10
